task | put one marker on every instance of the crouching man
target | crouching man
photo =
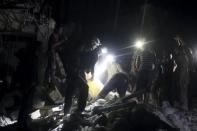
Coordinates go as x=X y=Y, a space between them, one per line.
x=119 y=82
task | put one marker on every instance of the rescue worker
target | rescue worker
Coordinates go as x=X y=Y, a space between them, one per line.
x=77 y=60
x=113 y=68
x=183 y=59
x=145 y=63
x=166 y=78
x=55 y=41
x=133 y=70
x=119 y=81
x=90 y=56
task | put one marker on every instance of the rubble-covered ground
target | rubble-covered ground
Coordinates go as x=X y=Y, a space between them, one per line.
x=108 y=115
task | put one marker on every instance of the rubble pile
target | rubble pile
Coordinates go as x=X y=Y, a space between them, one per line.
x=110 y=115
x=125 y=116
x=4 y=121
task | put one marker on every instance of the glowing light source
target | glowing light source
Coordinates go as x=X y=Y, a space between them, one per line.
x=110 y=58
x=139 y=44
x=101 y=67
x=104 y=50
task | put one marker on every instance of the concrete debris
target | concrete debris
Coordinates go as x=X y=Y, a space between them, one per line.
x=86 y=128
x=56 y=96
x=99 y=102
x=5 y=121
x=104 y=115
x=113 y=107
x=177 y=117
x=35 y=115
x=58 y=128
x=127 y=115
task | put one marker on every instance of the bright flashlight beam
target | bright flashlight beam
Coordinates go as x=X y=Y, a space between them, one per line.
x=110 y=58
x=139 y=44
x=104 y=50
x=100 y=68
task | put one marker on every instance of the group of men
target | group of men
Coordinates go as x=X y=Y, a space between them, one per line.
x=73 y=57
x=167 y=78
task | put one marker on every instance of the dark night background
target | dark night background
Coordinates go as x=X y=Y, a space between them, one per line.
x=120 y=21
x=26 y=62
